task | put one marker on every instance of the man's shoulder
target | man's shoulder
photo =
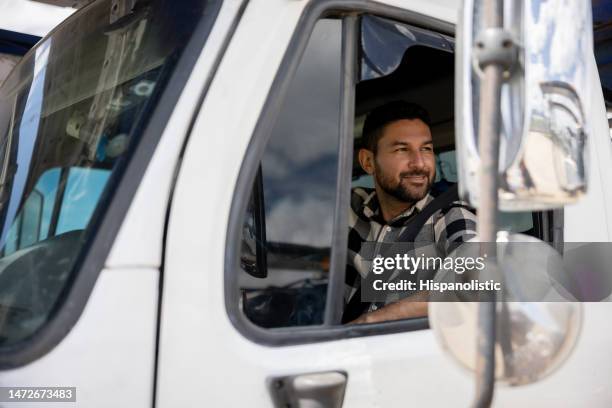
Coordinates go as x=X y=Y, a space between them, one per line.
x=454 y=224
x=457 y=215
x=457 y=210
x=459 y=206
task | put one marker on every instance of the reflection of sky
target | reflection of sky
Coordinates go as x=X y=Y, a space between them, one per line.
x=556 y=33
x=47 y=186
x=300 y=162
x=28 y=129
x=31 y=17
x=558 y=36
x=535 y=10
x=81 y=196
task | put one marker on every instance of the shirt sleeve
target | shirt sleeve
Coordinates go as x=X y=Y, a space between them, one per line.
x=454 y=226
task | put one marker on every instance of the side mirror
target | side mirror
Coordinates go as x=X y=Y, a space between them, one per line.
x=537 y=326
x=544 y=101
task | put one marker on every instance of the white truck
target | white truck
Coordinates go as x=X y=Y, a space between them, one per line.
x=174 y=188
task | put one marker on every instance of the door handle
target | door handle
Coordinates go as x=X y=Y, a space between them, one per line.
x=314 y=390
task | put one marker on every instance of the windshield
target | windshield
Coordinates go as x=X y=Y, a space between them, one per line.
x=70 y=114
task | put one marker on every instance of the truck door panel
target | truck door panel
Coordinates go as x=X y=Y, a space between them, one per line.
x=209 y=346
x=380 y=369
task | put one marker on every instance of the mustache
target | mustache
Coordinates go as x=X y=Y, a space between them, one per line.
x=414 y=173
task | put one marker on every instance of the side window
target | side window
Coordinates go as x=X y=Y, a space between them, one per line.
x=300 y=217
x=288 y=227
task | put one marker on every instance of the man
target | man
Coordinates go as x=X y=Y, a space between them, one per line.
x=398 y=152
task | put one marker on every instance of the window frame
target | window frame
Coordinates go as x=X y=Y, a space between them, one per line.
x=349 y=12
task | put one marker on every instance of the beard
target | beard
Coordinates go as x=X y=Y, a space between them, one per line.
x=401 y=189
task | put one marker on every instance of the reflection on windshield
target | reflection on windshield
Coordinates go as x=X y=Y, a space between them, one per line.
x=70 y=112
x=48 y=212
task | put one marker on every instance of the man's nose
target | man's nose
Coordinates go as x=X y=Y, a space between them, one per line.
x=416 y=160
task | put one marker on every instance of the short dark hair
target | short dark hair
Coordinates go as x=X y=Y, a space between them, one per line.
x=388 y=113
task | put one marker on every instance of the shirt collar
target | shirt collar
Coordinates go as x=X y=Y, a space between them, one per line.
x=371 y=207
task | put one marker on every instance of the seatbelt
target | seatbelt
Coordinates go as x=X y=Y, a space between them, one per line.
x=355 y=306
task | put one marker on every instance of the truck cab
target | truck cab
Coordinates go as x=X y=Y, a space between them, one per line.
x=174 y=190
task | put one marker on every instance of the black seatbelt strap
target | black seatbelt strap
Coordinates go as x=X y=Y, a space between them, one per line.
x=355 y=306
x=416 y=224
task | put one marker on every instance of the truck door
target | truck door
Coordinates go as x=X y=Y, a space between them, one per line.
x=257 y=235
x=252 y=316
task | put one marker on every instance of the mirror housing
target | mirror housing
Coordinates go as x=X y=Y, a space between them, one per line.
x=544 y=102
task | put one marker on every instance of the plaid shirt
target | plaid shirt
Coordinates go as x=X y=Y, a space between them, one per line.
x=444 y=231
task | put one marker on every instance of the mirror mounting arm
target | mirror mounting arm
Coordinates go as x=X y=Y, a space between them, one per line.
x=495 y=46
x=494 y=54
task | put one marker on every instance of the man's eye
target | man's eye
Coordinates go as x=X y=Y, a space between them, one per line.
x=401 y=149
x=427 y=149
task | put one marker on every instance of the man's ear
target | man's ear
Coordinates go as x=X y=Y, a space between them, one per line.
x=366 y=160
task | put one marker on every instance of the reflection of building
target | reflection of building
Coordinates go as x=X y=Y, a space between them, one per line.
x=12 y=47
x=24 y=22
x=7 y=62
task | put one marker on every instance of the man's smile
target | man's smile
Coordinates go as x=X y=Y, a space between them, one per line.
x=415 y=179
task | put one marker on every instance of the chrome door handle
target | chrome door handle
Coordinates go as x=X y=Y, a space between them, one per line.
x=315 y=390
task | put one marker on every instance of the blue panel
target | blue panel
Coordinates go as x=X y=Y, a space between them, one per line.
x=602 y=36
x=602 y=12
x=15 y=43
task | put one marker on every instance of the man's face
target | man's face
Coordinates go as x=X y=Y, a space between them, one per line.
x=404 y=165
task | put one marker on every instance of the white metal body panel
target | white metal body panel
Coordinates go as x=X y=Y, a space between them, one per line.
x=590 y=220
x=202 y=354
x=445 y=10
x=109 y=355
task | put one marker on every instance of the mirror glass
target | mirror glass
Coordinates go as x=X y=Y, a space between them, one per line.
x=544 y=101
x=537 y=326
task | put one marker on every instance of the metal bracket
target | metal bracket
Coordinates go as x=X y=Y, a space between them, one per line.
x=495 y=46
